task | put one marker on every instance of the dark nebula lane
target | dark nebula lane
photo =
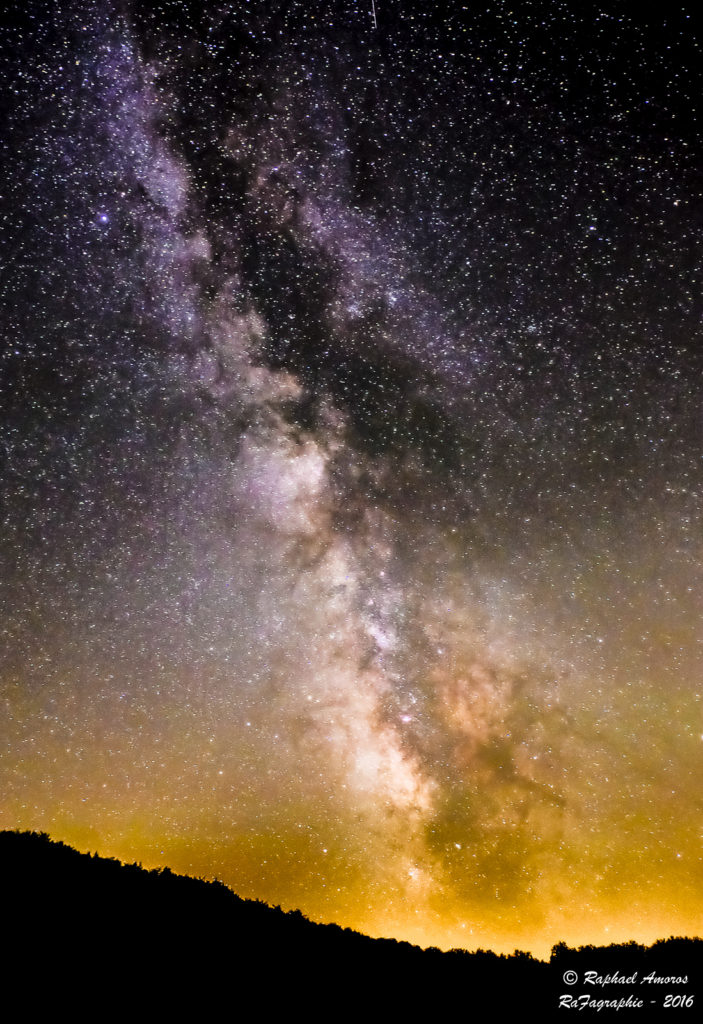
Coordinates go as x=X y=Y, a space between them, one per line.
x=351 y=462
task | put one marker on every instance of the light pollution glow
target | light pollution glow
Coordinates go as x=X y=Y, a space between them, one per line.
x=403 y=655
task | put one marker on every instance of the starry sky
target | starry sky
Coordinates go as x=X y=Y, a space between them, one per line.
x=351 y=465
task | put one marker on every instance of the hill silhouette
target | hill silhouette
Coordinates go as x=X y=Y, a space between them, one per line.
x=89 y=932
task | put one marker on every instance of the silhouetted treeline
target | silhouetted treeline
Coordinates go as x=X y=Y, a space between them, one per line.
x=88 y=933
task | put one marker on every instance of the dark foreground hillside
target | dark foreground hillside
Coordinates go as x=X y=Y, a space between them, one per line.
x=91 y=934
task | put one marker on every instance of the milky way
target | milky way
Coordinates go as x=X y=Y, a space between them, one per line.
x=351 y=458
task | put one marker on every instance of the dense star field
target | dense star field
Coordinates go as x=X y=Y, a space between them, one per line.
x=351 y=472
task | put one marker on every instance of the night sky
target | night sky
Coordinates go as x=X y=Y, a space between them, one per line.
x=351 y=462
